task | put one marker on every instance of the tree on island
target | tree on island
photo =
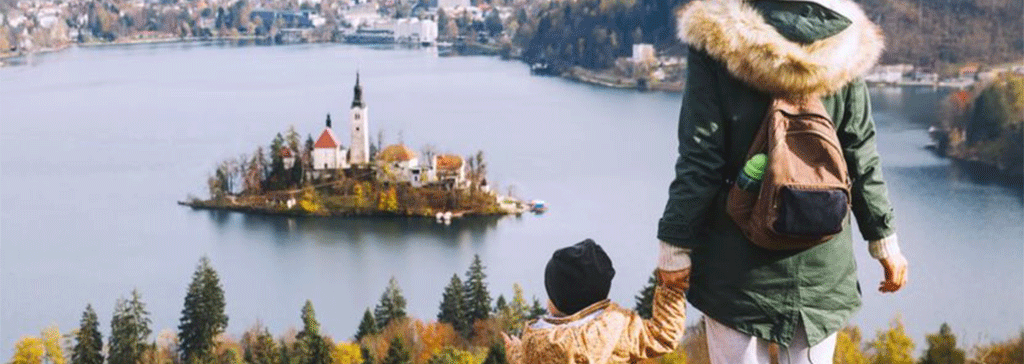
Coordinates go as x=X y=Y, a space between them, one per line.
x=203 y=317
x=478 y=299
x=391 y=306
x=942 y=348
x=368 y=326
x=314 y=349
x=129 y=331
x=452 y=310
x=645 y=299
x=88 y=340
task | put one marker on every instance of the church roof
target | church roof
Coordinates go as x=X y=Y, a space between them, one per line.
x=327 y=140
x=448 y=162
x=396 y=153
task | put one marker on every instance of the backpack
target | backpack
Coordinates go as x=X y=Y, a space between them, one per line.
x=804 y=197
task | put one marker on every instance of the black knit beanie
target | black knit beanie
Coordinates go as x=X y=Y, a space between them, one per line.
x=578 y=276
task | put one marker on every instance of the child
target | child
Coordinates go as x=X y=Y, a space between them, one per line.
x=583 y=326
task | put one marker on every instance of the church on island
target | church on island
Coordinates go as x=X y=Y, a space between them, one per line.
x=395 y=163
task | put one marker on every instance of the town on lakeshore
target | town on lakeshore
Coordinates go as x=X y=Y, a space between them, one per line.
x=325 y=178
x=622 y=44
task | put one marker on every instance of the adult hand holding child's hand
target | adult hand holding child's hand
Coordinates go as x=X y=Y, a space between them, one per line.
x=676 y=279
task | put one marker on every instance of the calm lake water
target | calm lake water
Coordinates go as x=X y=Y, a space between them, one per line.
x=97 y=145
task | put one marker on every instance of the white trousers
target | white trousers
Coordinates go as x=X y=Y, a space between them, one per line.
x=728 y=346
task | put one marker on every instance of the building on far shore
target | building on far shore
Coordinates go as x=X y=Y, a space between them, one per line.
x=644 y=53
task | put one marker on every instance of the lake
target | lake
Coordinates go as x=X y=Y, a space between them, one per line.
x=97 y=145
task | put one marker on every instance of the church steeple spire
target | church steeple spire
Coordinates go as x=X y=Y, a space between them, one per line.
x=357 y=100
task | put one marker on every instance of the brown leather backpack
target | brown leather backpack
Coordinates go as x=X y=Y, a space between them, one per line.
x=805 y=189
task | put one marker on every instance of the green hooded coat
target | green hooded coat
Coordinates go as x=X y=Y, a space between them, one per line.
x=741 y=52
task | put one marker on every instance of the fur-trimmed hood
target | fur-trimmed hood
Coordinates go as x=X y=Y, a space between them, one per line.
x=735 y=33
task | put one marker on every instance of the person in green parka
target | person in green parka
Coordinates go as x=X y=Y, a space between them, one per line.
x=741 y=54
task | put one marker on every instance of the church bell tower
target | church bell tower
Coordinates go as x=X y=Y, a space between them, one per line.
x=360 y=152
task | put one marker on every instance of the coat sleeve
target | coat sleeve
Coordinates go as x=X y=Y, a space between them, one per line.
x=869 y=195
x=701 y=155
x=663 y=331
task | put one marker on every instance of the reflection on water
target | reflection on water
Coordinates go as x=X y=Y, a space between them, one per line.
x=357 y=230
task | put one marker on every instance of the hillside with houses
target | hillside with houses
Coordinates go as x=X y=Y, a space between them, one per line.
x=326 y=178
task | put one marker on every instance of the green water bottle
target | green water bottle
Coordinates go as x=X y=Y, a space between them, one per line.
x=749 y=178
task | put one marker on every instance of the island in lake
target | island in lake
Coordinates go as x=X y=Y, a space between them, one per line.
x=324 y=178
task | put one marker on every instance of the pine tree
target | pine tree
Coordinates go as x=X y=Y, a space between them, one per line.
x=645 y=299
x=368 y=326
x=285 y=355
x=536 y=310
x=453 y=306
x=500 y=305
x=942 y=348
x=314 y=349
x=129 y=331
x=391 y=306
x=88 y=340
x=203 y=317
x=397 y=353
x=478 y=300
x=496 y=355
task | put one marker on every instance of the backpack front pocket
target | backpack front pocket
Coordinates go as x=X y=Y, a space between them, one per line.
x=810 y=212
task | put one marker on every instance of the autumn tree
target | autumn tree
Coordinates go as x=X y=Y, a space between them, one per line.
x=942 y=348
x=450 y=355
x=511 y=314
x=478 y=299
x=367 y=326
x=892 y=346
x=645 y=299
x=88 y=340
x=452 y=310
x=51 y=342
x=346 y=353
x=258 y=346
x=129 y=331
x=391 y=306
x=203 y=317
x=1007 y=352
x=28 y=350
x=314 y=349
x=848 y=347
